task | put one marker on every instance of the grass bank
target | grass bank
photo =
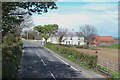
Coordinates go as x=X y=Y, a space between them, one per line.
x=85 y=60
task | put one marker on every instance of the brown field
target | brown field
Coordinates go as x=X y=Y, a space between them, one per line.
x=106 y=53
x=106 y=57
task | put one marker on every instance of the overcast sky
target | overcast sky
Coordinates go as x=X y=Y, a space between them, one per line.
x=102 y=15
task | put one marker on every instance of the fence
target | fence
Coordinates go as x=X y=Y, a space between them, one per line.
x=111 y=65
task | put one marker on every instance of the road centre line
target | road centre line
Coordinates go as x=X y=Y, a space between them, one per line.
x=60 y=60
x=41 y=59
x=46 y=65
x=52 y=74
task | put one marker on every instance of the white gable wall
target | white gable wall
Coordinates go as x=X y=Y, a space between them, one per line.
x=67 y=40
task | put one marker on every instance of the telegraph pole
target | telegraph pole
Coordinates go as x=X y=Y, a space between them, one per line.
x=27 y=35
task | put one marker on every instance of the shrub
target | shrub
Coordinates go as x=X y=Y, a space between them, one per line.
x=78 y=46
x=11 y=54
x=9 y=40
x=116 y=74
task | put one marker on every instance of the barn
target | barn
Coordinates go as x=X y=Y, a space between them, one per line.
x=103 y=40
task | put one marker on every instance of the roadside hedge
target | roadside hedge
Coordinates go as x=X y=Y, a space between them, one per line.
x=83 y=59
x=11 y=55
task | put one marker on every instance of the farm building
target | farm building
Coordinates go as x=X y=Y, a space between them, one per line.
x=68 y=40
x=103 y=40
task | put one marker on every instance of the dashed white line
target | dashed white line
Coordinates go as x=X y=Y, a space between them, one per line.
x=52 y=74
x=43 y=62
x=46 y=65
x=41 y=59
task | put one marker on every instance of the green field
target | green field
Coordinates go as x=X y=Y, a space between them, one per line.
x=114 y=46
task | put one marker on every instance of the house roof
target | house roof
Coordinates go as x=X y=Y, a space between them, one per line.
x=104 y=39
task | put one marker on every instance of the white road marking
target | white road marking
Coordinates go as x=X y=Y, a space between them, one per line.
x=52 y=74
x=43 y=62
x=67 y=63
x=72 y=66
x=41 y=59
x=23 y=51
x=61 y=60
x=46 y=65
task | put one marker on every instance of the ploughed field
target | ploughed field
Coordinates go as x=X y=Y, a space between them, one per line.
x=107 y=53
x=106 y=56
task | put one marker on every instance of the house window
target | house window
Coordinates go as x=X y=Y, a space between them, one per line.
x=78 y=42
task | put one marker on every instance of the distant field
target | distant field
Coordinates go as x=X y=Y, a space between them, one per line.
x=114 y=46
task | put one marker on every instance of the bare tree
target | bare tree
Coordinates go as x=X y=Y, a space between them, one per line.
x=26 y=23
x=88 y=32
x=30 y=33
x=61 y=35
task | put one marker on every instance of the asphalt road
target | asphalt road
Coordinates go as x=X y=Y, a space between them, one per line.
x=39 y=62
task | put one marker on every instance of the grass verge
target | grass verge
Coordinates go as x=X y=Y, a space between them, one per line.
x=85 y=60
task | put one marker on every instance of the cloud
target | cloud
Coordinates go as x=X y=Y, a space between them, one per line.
x=103 y=16
x=88 y=0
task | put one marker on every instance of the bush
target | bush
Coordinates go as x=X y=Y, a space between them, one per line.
x=9 y=40
x=88 y=60
x=11 y=54
x=78 y=46
x=116 y=74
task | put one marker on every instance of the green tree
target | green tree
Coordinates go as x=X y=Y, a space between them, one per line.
x=47 y=30
x=11 y=19
x=9 y=22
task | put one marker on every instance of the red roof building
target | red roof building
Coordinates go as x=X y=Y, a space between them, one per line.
x=108 y=39
x=103 y=39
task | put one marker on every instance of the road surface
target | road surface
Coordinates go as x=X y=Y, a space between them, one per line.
x=39 y=62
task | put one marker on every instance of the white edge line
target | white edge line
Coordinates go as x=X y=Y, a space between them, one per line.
x=23 y=50
x=66 y=63
x=72 y=66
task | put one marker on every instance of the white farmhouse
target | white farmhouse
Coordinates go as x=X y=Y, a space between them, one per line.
x=75 y=40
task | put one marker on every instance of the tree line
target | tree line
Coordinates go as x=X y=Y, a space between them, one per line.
x=87 y=31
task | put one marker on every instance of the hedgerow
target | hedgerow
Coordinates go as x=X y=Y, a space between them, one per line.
x=83 y=59
x=11 y=55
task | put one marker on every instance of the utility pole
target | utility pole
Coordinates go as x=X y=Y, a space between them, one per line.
x=27 y=35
